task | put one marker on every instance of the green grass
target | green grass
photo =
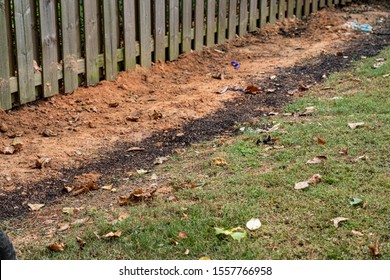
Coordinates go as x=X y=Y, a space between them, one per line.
x=258 y=182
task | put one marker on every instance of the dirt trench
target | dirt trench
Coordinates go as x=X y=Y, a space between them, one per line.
x=169 y=107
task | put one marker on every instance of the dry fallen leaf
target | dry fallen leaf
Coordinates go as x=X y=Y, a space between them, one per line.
x=355 y=125
x=160 y=160
x=85 y=188
x=8 y=150
x=80 y=242
x=142 y=171
x=156 y=115
x=338 y=220
x=63 y=227
x=173 y=241
x=137 y=195
x=112 y=235
x=219 y=161
x=252 y=89
x=35 y=207
x=358 y=233
x=315 y=179
x=80 y=222
x=57 y=247
x=374 y=247
x=344 y=151
x=187 y=252
x=182 y=235
x=301 y=185
x=42 y=162
x=317 y=160
x=321 y=141
x=135 y=149
x=109 y=187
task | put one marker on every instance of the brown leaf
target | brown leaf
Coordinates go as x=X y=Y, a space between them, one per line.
x=164 y=190
x=156 y=115
x=17 y=144
x=42 y=162
x=321 y=141
x=374 y=247
x=173 y=241
x=8 y=150
x=182 y=235
x=86 y=188
x=80 y=222
x=80 y=242
x=317 y=160
x=303 y=87
x=57 y=247
x=112 y=235
x=252 y=89
x=219 y=161
x=137 y=195
x=315 y=179
x=338 y=220
x=113 y=104
x=63 y=227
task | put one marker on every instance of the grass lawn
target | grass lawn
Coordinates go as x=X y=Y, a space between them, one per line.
x=226 y=182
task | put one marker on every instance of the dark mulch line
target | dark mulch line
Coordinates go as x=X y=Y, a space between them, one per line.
x=243 y=108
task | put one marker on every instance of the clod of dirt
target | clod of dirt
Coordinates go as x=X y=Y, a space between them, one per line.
x=3 y=127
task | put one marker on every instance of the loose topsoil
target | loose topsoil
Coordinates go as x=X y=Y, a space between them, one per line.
x=166 y=108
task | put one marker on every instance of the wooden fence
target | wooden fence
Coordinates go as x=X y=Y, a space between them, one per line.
x=54 y=46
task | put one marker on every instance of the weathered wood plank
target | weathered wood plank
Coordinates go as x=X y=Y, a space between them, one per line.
x=342 y=2
x=70 y=43
x=174 y=38
x=252 y=15
x=273 y=9
x=338 y=2
x=91 y=27
x=110 y=39
x=199 y=24
x=159 y=30
x=145 y=22
x=221 y=22
x=186 y=22
x=329 y=3
x=299 y=8
x=315 y=6
x=49 y=41
x=5 y=91
x=282 y=9
x=24 y=50
x=306 y=9
x=243 y=23
x=290 y=8
x=130 y=31
x=232 y=29
x=264 y=11
x=210 y=22
x=322 y=3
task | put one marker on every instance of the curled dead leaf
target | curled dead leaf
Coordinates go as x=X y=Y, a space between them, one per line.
x=375 y=250
x=108 y=188
x=80 y=242
x=57 y=247
x=42 y=162
x=355 y=125
x=338 y=220
x=156 y=115
x=175 y=242
x=315 y=179
x=344 y=151
x=219 y=161
x=187 y=252
x=160 y=160
x=358 y=233
x=321 y=141
x=112 y=235
x=86 y=188
x=135 y=149
x=63 y=227
x=35 y=207
x=252 y=89
x=8 y=150
x=137 y=195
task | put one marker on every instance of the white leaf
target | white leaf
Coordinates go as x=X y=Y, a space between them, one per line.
x=35 y=207
x=355 y=125
x=301 y=185
x=338 y=220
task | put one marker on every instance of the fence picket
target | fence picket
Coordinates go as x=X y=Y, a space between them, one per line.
x=5 y=92
x=221 y=22
x=159 y=30
x=174 y=39
x=210 y=21
x=299 y=8
x=264 y=11
x=91 y=26
x=232 y=19
x=290 y=8
x=252 y=15
x=145 y=30
x=272 y=11
x=329 y=3
x=281 y=9
x=243 y=23
x=70 y=43
x=49 y=38
x=130 y=31
x=315 y=5
x=110 y=39
x=306 y=9
x=322 y=3
x=199 y=24
x=186 y=22
x=24 y=51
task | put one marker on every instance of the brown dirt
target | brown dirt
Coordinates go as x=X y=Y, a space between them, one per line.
x=83 y=131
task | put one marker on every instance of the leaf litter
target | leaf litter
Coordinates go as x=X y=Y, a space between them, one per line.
x=313 y=180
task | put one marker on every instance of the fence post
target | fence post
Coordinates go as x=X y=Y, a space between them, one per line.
x=282 y=9
x=315 y=5
x=70 y=43
x=329 y=2
x=24 y=49
x=186 y=22
x=243 y=24
x=290 y=8
x=299 y=8
x=173 y=29
x=5 y=94
x=232 y=19
x=91 y=29
x=130 y=30
x=210 y=35
x=263 y=12
x=110 y=40
x=199 y=24
x=272 y=11
x=252 y=15
x=322 y=3
x=221 y=37
x=49 y=43
x=145 y=29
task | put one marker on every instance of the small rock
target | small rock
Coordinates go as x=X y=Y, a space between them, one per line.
x=3 y=127
x=48 y=133
x=132 y=118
